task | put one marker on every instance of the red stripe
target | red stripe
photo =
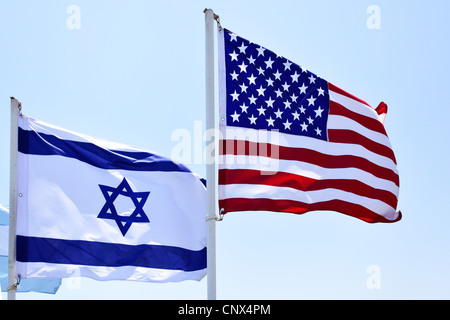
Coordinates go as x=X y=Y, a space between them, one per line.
x=382 y=108
x=347 y=136
x=332 y=87
x=369 y=123
x=290 y=206
x=240 y=147
x=284 y=179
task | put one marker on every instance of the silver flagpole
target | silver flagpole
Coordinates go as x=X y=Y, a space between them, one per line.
x=12 y=287
x=210 y=167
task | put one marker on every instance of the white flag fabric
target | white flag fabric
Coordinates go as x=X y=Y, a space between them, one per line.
x=99 y=209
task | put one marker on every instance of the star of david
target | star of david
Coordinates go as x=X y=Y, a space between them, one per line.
x=109 y=211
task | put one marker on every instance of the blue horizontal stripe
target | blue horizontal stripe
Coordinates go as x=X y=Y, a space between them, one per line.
x=31 y=142
x=92 y=253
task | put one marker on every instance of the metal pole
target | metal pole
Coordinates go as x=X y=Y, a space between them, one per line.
x=12 y=288
x=210 y=167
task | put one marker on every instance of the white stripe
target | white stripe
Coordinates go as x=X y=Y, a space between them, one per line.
x=252 y=191
x=341 y=122
x=50 y=270
x=353 y=105
x=307 y=170
x=63 y=201
x=292 y=141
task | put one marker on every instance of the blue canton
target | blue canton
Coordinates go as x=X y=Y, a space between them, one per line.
x=109 y=210
x=267 y=91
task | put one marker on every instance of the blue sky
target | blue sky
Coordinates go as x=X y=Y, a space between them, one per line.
x=134 y=73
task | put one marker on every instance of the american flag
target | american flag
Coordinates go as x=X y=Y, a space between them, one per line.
x=293 y=142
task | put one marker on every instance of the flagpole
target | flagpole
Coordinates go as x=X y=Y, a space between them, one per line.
x=12 y=288
x=210 y=167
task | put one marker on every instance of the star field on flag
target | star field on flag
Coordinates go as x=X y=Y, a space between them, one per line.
x=267 y=91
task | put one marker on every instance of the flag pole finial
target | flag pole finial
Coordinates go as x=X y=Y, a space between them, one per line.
x=19 y=105
x=216 y=17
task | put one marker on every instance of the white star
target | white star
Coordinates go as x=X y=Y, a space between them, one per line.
x=318 y=131
x=251 y=79
x=311 y=101
x=243 y=87
x=279 y=92
x=269 y=63
x=287 y=65
x=302 y=110
x=235 y=116
x=243 y=67
x=233 y=36
x=234 y=56
x=295 y=77
x=277 y=75
x=242 y=48
x=234 y=75
x=321 y=91
x=252 y=99
x=311 y=79
x=244 y=108
x=251 y=60
x=296 y=115
x=261 y=91
x=319 y=112
x=287 y=104
x=270 y=102
x=304 y=126
x=260 y=71
x=270 y=122
x=269 y=82
x=235 y=95
x=252 y=119
x=286 y=86
x=260 y=51
x=287 y=125
x=303 y=89
x=304 y=69
x=261 y=110
x=294 y=97
x=310 y=120
x=278 y=113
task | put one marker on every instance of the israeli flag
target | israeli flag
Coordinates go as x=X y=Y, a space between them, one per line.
x=103 y=210
x=25 y=285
